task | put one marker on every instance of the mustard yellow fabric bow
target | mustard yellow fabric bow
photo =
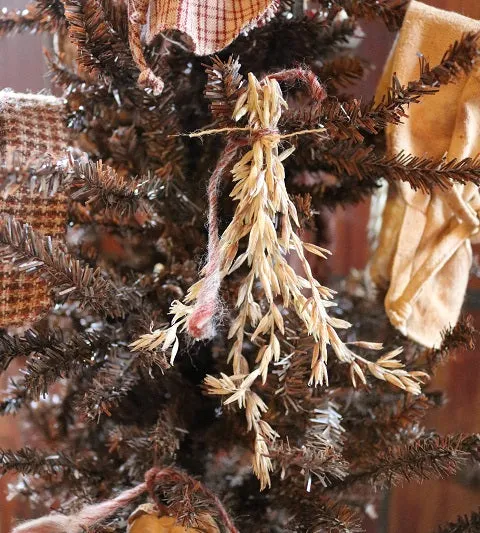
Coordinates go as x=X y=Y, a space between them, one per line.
x=424 y=253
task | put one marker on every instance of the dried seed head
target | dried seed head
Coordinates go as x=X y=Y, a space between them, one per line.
x=262 y=201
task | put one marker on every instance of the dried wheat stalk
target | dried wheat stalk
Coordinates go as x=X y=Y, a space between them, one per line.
x=266 y=219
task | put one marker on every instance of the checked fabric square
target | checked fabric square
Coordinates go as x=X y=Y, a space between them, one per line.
x=211 y=24
x=32 y=128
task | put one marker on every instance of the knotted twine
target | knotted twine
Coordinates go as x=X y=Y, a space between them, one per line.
x=93 y=514
x=137 y=18
x=200 y=323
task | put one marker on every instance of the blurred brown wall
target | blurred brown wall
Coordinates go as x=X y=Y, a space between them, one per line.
x=21 y=68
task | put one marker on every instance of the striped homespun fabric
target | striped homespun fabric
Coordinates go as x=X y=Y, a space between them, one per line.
x=211 y=24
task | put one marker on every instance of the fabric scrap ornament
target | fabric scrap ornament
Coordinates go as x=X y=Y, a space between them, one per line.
x=32 y=126
x=147 y=519
x=210 y=24
x=262 y=233
x=32 y=129
x=424 y=254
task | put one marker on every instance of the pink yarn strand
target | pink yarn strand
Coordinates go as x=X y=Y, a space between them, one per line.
x=200 y=324
x=93 y=514
x=87 y=517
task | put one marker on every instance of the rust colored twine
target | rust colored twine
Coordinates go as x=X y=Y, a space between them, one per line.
x=200 y=324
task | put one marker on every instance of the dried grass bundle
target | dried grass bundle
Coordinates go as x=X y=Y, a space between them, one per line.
x=266 y=221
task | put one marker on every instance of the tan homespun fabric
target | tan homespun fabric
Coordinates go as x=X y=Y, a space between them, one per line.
x=25 y=297
x=32 y=128
x=424 y=253
x=211 y=25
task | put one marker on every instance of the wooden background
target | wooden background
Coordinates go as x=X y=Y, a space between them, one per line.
x=410 y=509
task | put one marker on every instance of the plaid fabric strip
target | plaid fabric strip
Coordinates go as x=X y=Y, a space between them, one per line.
x=24 y=298
x=31 y=128
x=46 y=215
x=211 y=24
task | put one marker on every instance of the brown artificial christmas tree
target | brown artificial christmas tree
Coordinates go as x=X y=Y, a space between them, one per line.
x=178 y=378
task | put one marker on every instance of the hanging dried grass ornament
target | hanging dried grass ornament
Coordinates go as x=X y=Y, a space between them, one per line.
x=265 y=220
